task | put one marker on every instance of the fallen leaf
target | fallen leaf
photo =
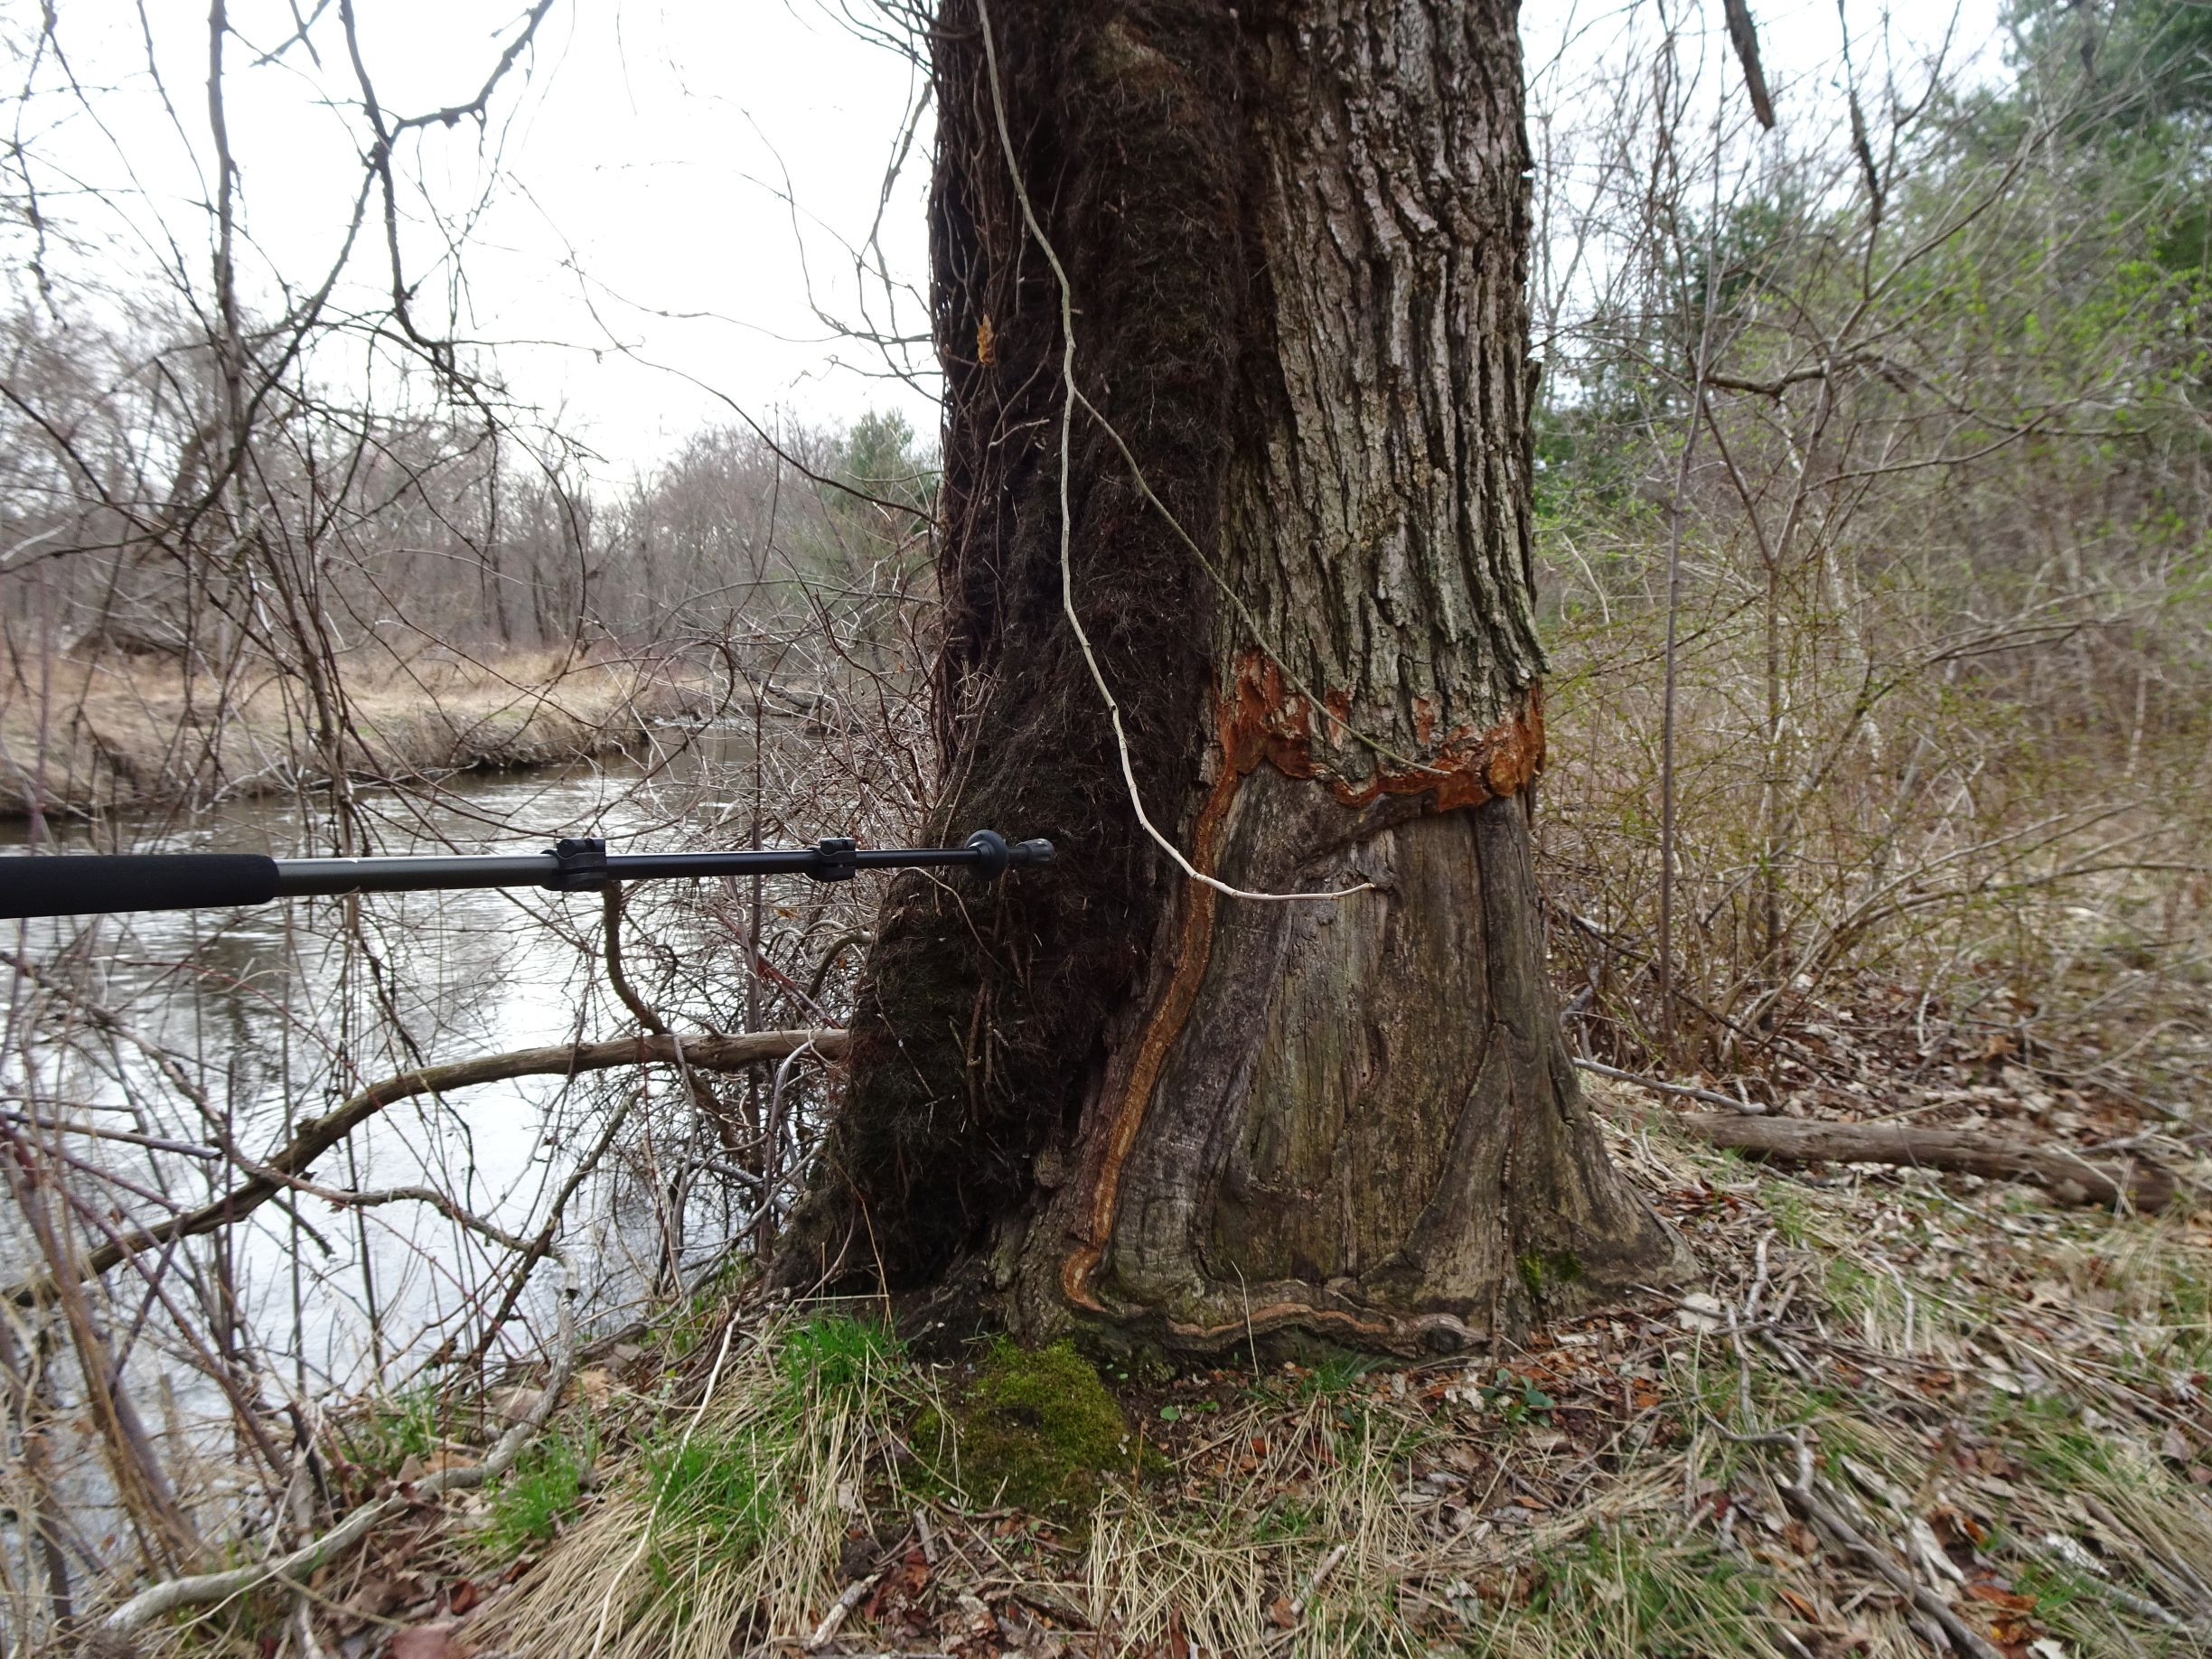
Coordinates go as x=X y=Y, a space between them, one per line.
x=1954 y=1527
x=424 y=1642
x=1701 y=1311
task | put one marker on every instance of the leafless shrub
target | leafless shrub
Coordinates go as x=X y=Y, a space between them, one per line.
x=1916 y=695
x=283 y=560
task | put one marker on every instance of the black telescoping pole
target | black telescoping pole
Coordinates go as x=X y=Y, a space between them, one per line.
x=78 y=884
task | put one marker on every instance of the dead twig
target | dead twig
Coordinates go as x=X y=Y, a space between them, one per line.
x=855 y=1594
x=1689 y=1091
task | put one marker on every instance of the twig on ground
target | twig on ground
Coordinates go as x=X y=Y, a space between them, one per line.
x=201 y=1588
x=855 y=1594
x=1690 y=1091
x=1806 y=1498
x=1329 y=1563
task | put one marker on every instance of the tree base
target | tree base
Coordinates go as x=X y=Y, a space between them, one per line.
x=1355 y=1118
x=1295 y=240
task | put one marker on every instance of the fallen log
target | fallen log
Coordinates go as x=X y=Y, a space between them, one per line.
x=2064 y=1174
x=315 y=1136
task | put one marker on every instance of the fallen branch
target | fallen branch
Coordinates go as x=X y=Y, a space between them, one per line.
x=1805 y=1496
x=855 y=1594
x=1658 y=1085
x=2066 y=1175
x=203 y=1587
x=316 y=1136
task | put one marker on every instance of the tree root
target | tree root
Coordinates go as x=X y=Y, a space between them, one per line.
x=2064 y=1174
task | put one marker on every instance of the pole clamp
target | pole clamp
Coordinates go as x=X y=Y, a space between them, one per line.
x=580 y=863
x=834 y=858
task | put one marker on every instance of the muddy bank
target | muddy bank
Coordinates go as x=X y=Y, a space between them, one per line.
x=119 y=734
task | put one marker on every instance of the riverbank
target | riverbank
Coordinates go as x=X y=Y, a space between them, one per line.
x=119 y=734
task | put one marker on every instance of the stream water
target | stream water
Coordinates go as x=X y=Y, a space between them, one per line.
x=272 y=1014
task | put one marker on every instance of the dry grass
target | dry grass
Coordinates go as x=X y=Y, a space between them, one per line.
x=733 y=1519
x=117 y=733
x=2007 y=1401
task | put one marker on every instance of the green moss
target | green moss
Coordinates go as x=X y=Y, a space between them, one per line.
x=1548 y=1270
x=1037 y=1429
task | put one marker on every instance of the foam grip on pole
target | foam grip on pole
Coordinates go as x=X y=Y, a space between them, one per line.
x=81 y=884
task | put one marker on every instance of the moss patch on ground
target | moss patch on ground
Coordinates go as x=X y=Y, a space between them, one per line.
x=1035 y=1429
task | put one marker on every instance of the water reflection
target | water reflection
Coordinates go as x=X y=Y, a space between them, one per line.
x=232 y=1026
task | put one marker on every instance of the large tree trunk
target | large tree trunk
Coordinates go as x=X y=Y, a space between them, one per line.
x=1296 y=237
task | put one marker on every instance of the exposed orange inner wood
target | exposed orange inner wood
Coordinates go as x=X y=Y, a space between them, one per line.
x=1193 y=947
x=1466 y=767
x=1261 y=719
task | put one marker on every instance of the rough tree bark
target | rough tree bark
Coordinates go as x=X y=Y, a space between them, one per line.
x=1295 y=234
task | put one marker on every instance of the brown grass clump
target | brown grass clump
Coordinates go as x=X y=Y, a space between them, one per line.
x=741 y=1503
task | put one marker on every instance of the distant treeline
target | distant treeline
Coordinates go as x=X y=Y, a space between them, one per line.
x=134 y=526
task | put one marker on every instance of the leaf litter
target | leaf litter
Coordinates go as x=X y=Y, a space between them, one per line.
x=1904 y=1413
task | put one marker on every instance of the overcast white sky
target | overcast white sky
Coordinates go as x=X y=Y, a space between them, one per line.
x=636 y=255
